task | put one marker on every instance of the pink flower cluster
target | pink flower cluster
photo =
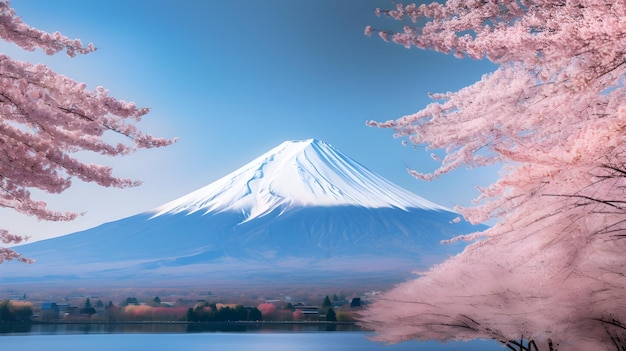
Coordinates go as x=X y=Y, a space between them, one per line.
x=46 y=118
x=553 y=114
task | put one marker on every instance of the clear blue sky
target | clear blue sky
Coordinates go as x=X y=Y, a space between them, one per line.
x=233 y=79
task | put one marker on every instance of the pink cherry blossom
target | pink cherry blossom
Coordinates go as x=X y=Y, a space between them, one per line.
x=368 y=30
x=384 y=35
x=46 y=118
x=550 y=273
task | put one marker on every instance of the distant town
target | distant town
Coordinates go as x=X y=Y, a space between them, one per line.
x=180 y=306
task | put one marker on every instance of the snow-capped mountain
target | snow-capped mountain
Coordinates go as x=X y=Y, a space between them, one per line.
x=303 y=211
x=297 y=173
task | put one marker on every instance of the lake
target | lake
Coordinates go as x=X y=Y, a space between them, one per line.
x=95 y=338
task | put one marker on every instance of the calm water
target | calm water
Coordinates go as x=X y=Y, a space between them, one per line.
x=274 y=340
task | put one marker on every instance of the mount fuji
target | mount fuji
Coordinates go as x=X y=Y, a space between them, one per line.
x=301 y=212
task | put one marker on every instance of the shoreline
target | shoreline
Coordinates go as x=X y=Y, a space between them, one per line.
x=187 y=322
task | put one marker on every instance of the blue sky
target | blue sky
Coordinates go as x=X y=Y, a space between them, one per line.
x=233 y=79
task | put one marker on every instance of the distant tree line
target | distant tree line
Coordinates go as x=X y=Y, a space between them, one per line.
x=209 y=312
x=15 y=311
x=153 y=309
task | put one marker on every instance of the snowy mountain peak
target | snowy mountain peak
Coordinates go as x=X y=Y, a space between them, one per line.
x=296 y=173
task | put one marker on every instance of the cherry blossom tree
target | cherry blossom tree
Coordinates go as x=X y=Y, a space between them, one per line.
x=46 y=118
x=550 y=273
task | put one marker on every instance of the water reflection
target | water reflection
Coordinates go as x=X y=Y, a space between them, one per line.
x=15 y=328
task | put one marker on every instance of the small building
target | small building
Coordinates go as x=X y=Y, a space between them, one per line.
x=356 y=302
x=67 y=310
x=308 y=312
x=49 y=311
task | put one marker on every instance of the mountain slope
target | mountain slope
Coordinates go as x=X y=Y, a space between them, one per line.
x=300 y=212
